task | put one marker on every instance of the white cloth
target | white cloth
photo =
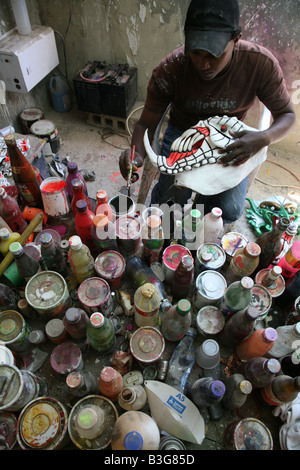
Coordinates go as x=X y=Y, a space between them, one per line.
x=289 y=433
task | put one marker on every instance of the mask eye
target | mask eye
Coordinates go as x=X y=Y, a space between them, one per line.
x=223 y=128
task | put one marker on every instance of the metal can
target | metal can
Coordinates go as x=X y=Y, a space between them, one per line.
x=45 y=129
x=261 y=299
x=14 y=331
x=171 y=443
x=6 y=356
x=171 y=258
x=43 y=425
x=248 y=434
x=276 y=288
x=48 y=294
x=210 y=288
x=110 y=265
x=147 y=345
x=95 y=295
x=29 y=116
x=231 y=242
x=65 y=358
x=8 y=430
x=128 y=232
x=209 y=256
x=210 y=320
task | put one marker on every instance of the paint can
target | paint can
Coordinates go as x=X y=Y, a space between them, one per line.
x=18 y=387
x=8 y=430
x=46 y=130
x=261 y=299
x=65 y=358
x=210 y=288
x=128 y=233
x=91 y=422
x=47 y=293
x=110 y=266
x=276 y=288
x=43 y=425
x=171 y=443
x=54 y=197
x=248 y=434
x=95 y=296
x=171 y=258
x=6 y=356
x=122 y=205
x=210 y=321
x=55 y=331
x=29 y=116
x=147 y=345
x=231 y=242
x=209 y=256
x=14 y=331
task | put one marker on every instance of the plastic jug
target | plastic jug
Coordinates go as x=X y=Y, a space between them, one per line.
x=60 y=94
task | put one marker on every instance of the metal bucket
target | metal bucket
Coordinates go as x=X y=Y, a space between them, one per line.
x=14 y=331
x=210 y=288
x=54 y=197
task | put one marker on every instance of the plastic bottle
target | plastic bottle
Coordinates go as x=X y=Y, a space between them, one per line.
x=11 y=213
x=282 y=389
x=23 y=174
x=238 y=327
x=132 y=398
x=52 y=255
x=101 y=333
x=60 y=94
x=260 y=371
x=271 y=243
x=75 y=322
x=243 y=263
x=287 y=341
x=206 y=391
x=237 y=390
x=146 y=305
x=26 y=265
x=6 y=239
x=80 y=259
x=83 y=223
x=191 y=229
x=110 y=383
x=153 y=239
x=78 y=194
x=213 y=225
x=103 y=206
x=73 y=173
x=237 y=296
x=183 y=277
x=257 y=344
x=177 y=321
x=182 y=361
x=81 y=383
x=290 y=263
x=103 y=233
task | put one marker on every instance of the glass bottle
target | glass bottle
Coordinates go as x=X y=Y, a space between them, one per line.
x=78 y=194
x=83 y=223
x=271 y=243
x=183 y=277
x=52 y=255
x=282 y=389
x=238 y=327
x=103 y=206
x=257 y=344
x=139 y=273
x=290 y=263
x=237 y=296
x=75 y=322
x=237 y=390
x=287 y=241
x=213 y=225
x=287 y=341
x=80 y=259
x=6 y=239
x=81 y=383
x=11 y=213
x=23 y=174
x=101 y=333
x=110 y=383
x=26 y=265
x=73 y=173
x=260 y=371
x=153 y=239
x=177 y=321
x=206 y=391
x=243 y=263
x=103 y=233
x=191 y=229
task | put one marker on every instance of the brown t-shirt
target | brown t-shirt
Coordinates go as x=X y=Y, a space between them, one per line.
x=253 y=72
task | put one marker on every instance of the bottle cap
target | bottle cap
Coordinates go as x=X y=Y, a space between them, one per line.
x=153 y=221
x=81 y=206
x=76 y=183
x=75 y=242
x=270 y=334
x=148 y=290
x=101 y=196
x=273 y=365
x=184 y=306
x=72 y=167
x=97 y=319
x=195 y=214
x=74 y=379
x=187 y=261
x=46 y=238
x=247 y=282
x=252 y=249
x=218 y=388
x=206 y=256
x=16 y=248
x=246 y=387
x=72 y=315
x=108 y=374
x=4 y=233
x=100 y=221
x=216 y=212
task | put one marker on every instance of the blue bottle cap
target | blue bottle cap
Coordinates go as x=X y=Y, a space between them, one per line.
x=218 y=388
x=133 y=441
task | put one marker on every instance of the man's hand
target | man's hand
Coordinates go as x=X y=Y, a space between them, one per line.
x=246 y=144
x=124 y=164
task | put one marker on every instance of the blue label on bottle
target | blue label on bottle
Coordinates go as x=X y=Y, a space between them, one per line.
x=133 y=441
x=179 y=407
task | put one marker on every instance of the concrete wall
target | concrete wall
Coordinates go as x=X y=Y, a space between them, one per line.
x=141 y=32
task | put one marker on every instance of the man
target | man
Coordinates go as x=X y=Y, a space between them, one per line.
x=215 y=74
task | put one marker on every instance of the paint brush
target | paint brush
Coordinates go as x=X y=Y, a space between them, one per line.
x=130 y=171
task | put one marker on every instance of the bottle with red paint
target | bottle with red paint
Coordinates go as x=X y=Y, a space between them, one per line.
x=257 y=344
x=78 y=194
x=73 y=173
x=84 y=223
x=103 y=206
x=11 y=213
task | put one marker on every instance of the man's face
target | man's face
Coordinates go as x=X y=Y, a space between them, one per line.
x=208 y=66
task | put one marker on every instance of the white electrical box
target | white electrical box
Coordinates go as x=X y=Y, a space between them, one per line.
x=26 y=60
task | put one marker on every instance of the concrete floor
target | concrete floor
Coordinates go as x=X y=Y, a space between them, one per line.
x=98 y=149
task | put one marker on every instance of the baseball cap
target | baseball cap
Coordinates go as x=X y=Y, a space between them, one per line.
x=210 y=25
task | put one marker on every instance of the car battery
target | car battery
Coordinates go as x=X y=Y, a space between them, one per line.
x=86 y=85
